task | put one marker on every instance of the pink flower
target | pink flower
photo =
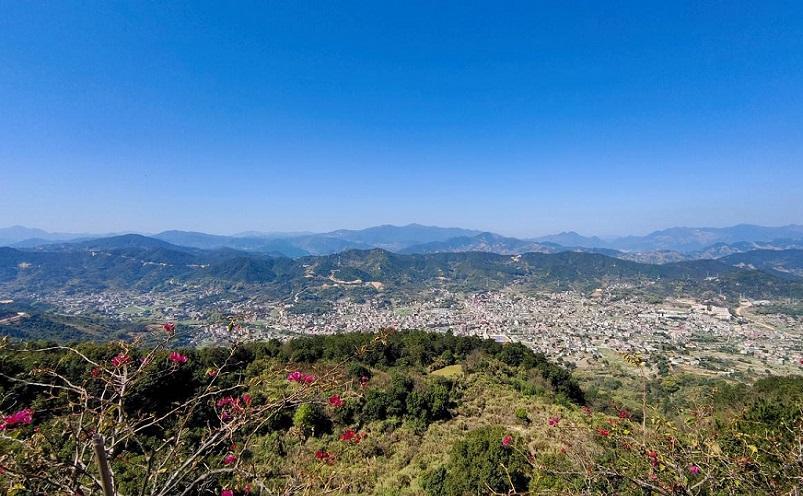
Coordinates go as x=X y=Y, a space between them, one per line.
x=309 y=378
x=229 y=459
x=228 y=407
x=351 y=436
x=694 y=469
x=507 y=441
x=121 y=359
x=624 y=414
x=211 y=373
x=22 y=417
x=95 y=372
x=169 y=327
x=553 y=421
x=603 y=432
x=228 y=401
x=226 y=492
x=295 y=376
x=177 y=358
x=246 y=399
x=322 y=455
x=336 y=401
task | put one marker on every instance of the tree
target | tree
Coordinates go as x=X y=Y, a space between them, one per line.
x=169 y=425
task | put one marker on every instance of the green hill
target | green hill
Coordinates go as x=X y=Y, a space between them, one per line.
x=126 y=264
x=373 y=414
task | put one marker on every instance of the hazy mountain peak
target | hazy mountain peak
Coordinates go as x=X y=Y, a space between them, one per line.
x=572 y=238
x=17 y=233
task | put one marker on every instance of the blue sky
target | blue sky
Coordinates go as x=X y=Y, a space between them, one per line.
x=522 y=118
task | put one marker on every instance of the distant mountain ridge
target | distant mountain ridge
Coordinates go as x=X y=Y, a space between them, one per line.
x=300 y=244
x=16 y=234
x=690 y=239
x=665 y=246
x=780 y=258
x=571 y=238
x=395 y=238
x=288 y=244
x=781 y=262
x=143 y=263
x=483 y=242
x=213 y=241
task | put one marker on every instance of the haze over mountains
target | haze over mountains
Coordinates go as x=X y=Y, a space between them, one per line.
x=137 y=262
x=673 y=244
x=769 y=262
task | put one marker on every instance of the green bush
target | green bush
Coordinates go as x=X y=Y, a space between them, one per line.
x=310 y=419
x=479 y=464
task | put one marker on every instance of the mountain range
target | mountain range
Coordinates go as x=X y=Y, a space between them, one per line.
x=669 y=245
x=139 y=262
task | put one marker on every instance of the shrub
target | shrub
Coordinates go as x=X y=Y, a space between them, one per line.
x=478 y=463
x=310 y=419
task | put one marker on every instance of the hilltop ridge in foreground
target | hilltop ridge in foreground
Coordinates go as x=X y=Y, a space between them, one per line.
x=390 y=413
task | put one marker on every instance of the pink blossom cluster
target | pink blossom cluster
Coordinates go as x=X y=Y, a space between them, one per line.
x=300 y=377
x=22 y=417
x=246 y=489
x=324 y=456
x=121 y=359
x=177 y=358
x=230 y=406
x=350 y=436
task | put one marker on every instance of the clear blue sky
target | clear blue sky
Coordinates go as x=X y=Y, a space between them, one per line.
x=521 y=118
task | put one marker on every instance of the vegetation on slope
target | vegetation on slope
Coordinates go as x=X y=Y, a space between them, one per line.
x=406 y=413
x=121 y=265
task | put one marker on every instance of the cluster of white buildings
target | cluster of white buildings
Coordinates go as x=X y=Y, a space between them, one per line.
x=570 y=325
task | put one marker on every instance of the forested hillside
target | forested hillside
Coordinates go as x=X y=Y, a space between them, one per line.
x=407 y=413
x=155 y=265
